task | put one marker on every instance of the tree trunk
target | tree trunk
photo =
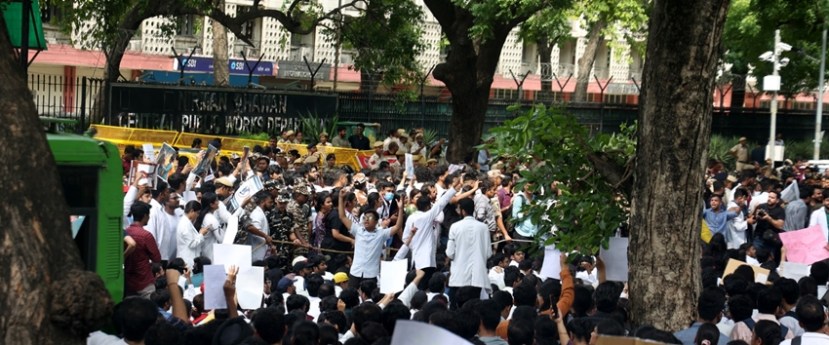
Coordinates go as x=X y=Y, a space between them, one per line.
x=221 y=68
x=112 y=73
x=674 y=130
x=45 y=296
x=545 y=51
x=467 y=73
x=738 y=89
x=369 y=82
x=594 y=39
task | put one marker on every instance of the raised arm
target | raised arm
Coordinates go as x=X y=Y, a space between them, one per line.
x=341 y=208
x=176 y=299
x=399 y=224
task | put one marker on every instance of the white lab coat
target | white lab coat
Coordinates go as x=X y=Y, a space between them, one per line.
x=189 y=241
x=469 y=247
x=424 y=242
x=819 y=217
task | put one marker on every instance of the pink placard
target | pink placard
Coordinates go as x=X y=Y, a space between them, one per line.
x=805 y=246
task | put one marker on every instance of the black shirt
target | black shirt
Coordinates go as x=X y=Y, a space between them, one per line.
x=359 y=143
x=776 y=213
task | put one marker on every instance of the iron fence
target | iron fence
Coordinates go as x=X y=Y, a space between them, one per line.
x=65 y=97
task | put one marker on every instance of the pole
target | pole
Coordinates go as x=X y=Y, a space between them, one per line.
x=24 y=37
x=820 y=89
x=773 y=127
x=338 y=44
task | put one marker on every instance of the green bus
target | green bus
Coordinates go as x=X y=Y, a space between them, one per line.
x=91 y=175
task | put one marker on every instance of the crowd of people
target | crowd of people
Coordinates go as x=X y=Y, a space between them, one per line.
x=321 y=232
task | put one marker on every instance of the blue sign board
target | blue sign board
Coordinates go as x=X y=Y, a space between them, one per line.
x=205 y=65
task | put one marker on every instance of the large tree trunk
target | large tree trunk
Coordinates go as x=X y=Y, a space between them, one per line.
x=467 y=73
x=221 y=68
x=545 y=51
x=674 y=129
x=594 y=39
x=45 y=296
x=738 y=89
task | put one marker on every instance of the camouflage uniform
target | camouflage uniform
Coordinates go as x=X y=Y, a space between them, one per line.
x=301 y=217
x=281 y=224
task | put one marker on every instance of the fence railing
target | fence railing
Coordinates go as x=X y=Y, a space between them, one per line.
x=247 y=110
x=65 y=97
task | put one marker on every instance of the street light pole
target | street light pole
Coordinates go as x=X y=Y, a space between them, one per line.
x=773 y=127
x=820 y=89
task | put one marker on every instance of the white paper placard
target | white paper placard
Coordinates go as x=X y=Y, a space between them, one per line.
x=232 y=230
x=214 y=281
x=615 y=259
x=793 y=270
x=392 y=276
x=249 y=287
x=409 y=165
x=551 y=268
x=232 y=254
x=408 y=332
x=247 y=189
x=149 y=152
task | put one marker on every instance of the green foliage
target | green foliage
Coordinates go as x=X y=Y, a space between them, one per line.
x=556 y=149
x=749 y=32
x=262 y=136
x=387 y=38
x=313 y=125
x=719 y=146
x=429 y=136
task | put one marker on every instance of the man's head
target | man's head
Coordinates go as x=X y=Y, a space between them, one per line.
x=269 y=324
x=466 y=207
x=370 y=219
x=133 y=317
x=810 y=314
x=140 y=212
x=341 y=132
x=715 y=201
x=774 y=198
x=710 y=306
x=358 y=130
x=769 y=300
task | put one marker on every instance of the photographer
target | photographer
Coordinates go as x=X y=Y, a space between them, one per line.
x=768 y=219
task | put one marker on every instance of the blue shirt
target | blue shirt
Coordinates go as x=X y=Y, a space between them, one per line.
x=525 y=227
x=686 y=336
x=717 y=221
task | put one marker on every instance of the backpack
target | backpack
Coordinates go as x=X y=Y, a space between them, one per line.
x=783 y=329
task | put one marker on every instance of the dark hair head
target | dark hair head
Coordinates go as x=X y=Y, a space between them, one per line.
x=607 y=296
x=810 y=313
x=740 y=307
x=366 y=312
x=489 y=312
x=313 y=283
x=734 y=285
x=610 y=327
x=807 y=286
x=788 y=289
x=207 y=199
x=192 y=206
x=467 y=206
x=768 y=332
x=418 y=300
x=163 y=333
x=305 y=332
x=580 y=329
x=269 y=324
x=437 y=283
x=134 y=316
x=350 y=297
x=768 y=300
x=336 y=317
x=582 y=300
x=393 y=312
x=710 y=304
x=820 y=271
x=297 y=302
x=709 y=332
x=524 y=294
x=139 y=210
x=521 y=333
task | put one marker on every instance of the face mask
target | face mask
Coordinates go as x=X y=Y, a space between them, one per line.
x=756 y=193
x=389 y=196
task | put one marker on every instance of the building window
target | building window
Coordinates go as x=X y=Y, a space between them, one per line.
x=186 y=25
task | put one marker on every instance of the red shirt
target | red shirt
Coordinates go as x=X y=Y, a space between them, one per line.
x=138 y=271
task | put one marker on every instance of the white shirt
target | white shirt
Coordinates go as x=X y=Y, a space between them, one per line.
x=736 y=228
x=258 y=220
x=819 y=217
x=496 y=277
x=424 y=242
x=469 y=246
x=188 y=241
x=368 y=245
x=314 y=307
x=214 y=235
x=810 y=338
x=162 y=226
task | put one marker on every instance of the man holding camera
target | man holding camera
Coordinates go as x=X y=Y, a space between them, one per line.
x=768 y=219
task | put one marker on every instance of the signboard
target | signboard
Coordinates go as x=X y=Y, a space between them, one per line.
x=235 y=66
x=299 y=70
x=218 y=111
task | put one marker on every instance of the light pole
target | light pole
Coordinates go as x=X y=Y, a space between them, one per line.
x=820 y=89
x=772 y=83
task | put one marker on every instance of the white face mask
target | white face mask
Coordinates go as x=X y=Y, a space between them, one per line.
x=756 y=193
